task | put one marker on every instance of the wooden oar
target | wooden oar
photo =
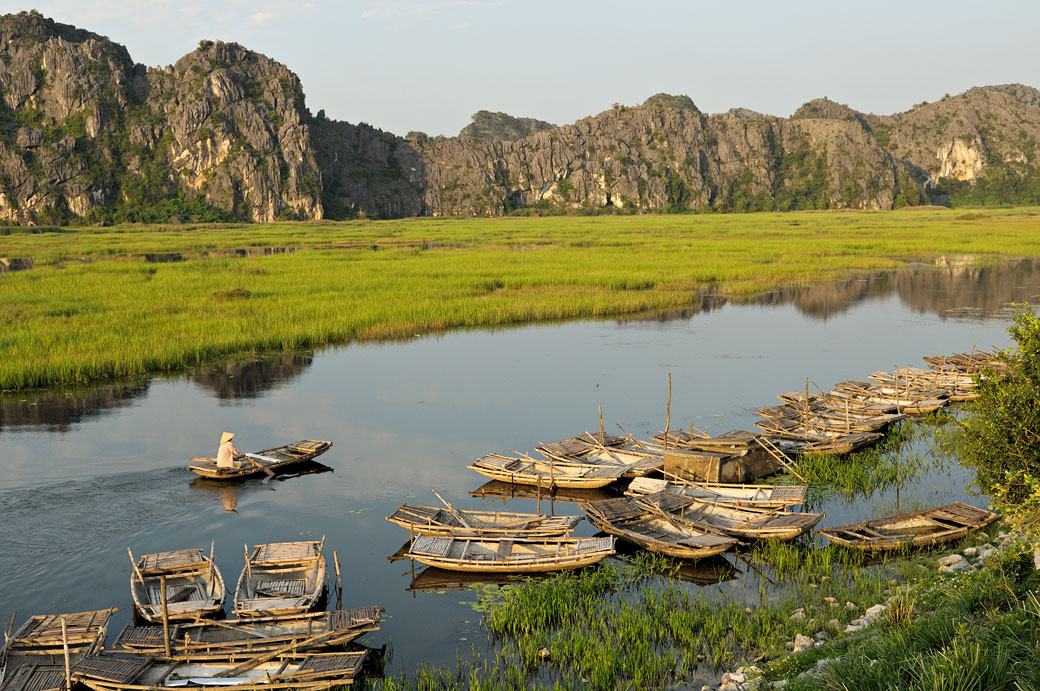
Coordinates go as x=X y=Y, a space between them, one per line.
x=255 y=463
x=454 y=513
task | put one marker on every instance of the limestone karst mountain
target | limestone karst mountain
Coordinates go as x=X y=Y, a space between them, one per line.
x=87 y=135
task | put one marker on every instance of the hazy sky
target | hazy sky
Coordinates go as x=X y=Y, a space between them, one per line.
x=430 y=65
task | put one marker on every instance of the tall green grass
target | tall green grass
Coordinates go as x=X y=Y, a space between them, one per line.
x=93 y=308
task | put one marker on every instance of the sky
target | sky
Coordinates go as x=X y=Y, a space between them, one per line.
x=428 y=65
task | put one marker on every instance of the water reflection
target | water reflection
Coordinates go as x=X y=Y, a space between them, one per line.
x=57 y=410
x=228 y=492
x=496 y=490
x=251 y=378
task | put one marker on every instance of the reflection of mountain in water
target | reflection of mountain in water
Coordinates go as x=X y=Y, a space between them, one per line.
x=946 y=291
x=56 y=410
x=251 y=378
x=949 y=291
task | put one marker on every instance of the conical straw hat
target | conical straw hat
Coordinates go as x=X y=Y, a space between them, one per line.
x=226 y=436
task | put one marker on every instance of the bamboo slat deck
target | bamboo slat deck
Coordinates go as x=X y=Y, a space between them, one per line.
x=912 y=529
x=35 y=677
x=277 y=459
x=243 y=639
x=506 y=555
x=547 y=474
x=32 y=658
x=142 y=673
x=755 y=497
x=655 y=532
x=432 y=520
x=730 y=520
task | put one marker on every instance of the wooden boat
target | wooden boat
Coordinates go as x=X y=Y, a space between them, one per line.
x=108 y=672
x=508 y=555
x=970 y=363
x=654 y=531
x=910 y=402
x=260 y=462
x=913 y=529
x=754 y=497
x=194 y=585
x=638 y=459
x=444 y=522
x=547 y=474
x=813 y=417
x=958 y=386
x=779 y=525
x=239 y=639
x=838 y=401
x=803 y=441
x=281 y=579
x=33 y=657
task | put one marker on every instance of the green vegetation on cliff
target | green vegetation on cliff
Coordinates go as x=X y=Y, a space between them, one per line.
x=106 y=302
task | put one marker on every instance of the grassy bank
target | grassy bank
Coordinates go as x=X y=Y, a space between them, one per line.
x=96 y=307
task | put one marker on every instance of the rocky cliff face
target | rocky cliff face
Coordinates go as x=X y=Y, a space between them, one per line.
x=82 y=128
x=85 y=133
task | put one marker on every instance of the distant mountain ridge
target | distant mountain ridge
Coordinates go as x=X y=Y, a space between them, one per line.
x=87 y=135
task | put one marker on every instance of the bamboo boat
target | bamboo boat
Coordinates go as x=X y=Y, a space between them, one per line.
x=281 y=579
x=740 y=523
x=653 y=531
x=194 y=585
x=958 y=386
x=445 y=522
x=754 y=497
x=638 y=459
x=510 y=556
x=128 y=672
x=805 y=441
x=823 y=417
x=971 y=363
x=262 y=462
x=913 y=402
x=239 y=639
x=33 y=657
x=547 y=474
x=913 y=529
x=839 y=402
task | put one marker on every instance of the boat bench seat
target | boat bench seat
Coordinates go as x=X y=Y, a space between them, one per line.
x=294 y=587
x=505 y=548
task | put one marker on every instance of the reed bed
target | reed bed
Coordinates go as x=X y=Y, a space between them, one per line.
x=95 y=307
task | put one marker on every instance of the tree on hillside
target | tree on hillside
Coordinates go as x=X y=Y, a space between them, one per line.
x=1001 y=439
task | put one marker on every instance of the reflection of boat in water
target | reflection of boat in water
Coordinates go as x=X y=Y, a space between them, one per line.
x=265 y=462
x=433 y=578
x=703 y=572
x=230 y=491
x=496 y=489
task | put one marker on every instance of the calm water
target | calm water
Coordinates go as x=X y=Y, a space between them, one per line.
x=87 y=473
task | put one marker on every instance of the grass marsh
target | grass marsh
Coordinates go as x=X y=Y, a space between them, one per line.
x=94 y=307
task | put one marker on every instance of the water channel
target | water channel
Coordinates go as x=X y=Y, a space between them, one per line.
x=86 y=473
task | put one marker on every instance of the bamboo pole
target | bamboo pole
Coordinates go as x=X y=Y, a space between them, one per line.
x=165 y=617
x=212 y=549
x=65 y=650
x=668 y=413
x=602 y=437
x=456 y=514
x=776 y=453
x=133 y=563
x=339 y=582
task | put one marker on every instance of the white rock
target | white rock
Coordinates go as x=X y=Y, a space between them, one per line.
x=852 y=628
x=1036 y=559
x=970 y=551
x=729 y=686
x=875 y=610
x=831 y=601
x=802 y=643
x=797 y=616
x=950 y=560
x=954 y=567
x=851 y=606
x=740 y=670
x=779 y=684
x=754 y=669
x=821 y=635
x=736 y=678
x=1002 y=535
x=834 y=625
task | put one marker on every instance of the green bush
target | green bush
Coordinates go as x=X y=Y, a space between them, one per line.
x=1002 y=434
